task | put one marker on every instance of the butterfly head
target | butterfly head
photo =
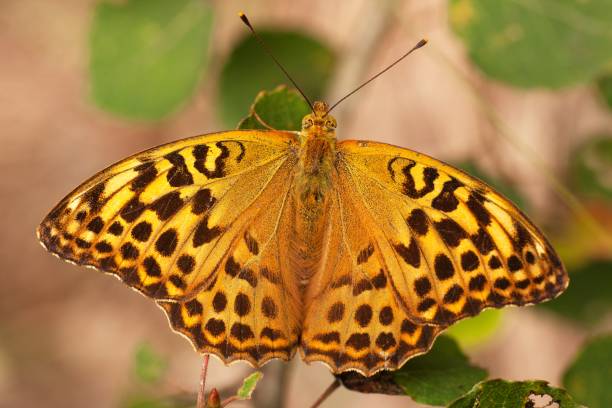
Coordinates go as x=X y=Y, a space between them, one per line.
x=319 y=120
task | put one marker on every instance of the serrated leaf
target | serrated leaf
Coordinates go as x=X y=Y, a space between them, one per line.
x=589 y=377
x=147 y=56
x=506 y=394
x=440 y=376
x=281 y=109
x=249 y=70
x=533 y=43
x=587 y=299
x=149 y=366
x=248 y=385
x=477 y=329
x=591 y=168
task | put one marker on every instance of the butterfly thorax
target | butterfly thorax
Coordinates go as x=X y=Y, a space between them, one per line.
x=312 y=184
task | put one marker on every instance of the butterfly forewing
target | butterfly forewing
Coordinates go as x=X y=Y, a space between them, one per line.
x=162 y=220
x=454 y=246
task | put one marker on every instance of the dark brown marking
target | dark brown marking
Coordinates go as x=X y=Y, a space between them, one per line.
x=167 y=205
x=132 y=210
x=335 y=312
x=410 y=254
x=219 y=302
x=242 y=332
x=202 y=201
x=359 y=341
x=478 y=282
x=232 y=267
x=362 y=286
x=186 y=263
x=446 y=200
x=450 y=232
x=522 y=284
x=116 y=228
x=203 y=234
x=444 y=267
x=344 y=280
x=148 y=172
x=417 y=221
x=469 y=261
x=483 y=241
x=502 y=283
x=201 y=151
x=538 y=279
x=142 y=231
x=248 y=275
x=514 y=264
x=179 y=174
x=178 y=282
x=385 y=316
x=523 y=237
x=429 y=176
x=530 y=258
x=95 y=225
x=268 y=307
x=385 y=341
x=151 y=266
x=194 y=307
x=330 y=337
x=380 y=280
x=108 y=263
x=363 y=315
x=129 y=251
x=426 y=304
x=251 y=243
x=242 y=304
x=270 y=276
x=80 y=216
x=453 y=294
x=215 y=326
x=475 y=205
x=94 y=197
x=81 y=243
x=408 y=327
x=166 y=243
x=365 y=254
x=104 y=246
x=425 y=338
x=494 y=262
x=422 y=286
x=271 y=333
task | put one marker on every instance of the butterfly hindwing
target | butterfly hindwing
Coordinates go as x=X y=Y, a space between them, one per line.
x=453 y=245
x=162 y=220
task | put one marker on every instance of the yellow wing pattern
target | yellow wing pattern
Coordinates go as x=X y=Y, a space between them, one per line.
x=452 y=245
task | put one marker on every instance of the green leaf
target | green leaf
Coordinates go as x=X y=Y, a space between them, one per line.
x=147 y=56
x=587 y=299
x=476 y=330
x=591 y=168
x=248 y=385
x=532 y=43
x=249 y=69
x=500 y=186
x=505 y=394
x=440 y=376
x=281 y=109
x=149 y=366
x=589 y=377
x=604 y=85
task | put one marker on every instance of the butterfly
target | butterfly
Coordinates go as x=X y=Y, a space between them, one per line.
x=257 y=243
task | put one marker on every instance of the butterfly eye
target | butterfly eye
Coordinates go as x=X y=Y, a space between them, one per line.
x=307 y=122
x=330 y=124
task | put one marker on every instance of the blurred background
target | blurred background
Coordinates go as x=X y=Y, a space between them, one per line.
x=518 y=93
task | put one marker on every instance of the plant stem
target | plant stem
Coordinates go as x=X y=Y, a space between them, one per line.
x=332 y=387
x=201 y=402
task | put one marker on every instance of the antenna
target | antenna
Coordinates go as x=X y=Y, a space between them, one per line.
x=416 y=47
x=246 y=21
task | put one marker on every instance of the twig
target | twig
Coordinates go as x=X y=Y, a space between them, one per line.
x=201 y=402
x=332 y=387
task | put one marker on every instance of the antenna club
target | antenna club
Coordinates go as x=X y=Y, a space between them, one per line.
x=245 y=19
x=422 y=43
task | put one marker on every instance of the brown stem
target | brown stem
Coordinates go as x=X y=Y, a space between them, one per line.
x=201 y=402
x=332 y=387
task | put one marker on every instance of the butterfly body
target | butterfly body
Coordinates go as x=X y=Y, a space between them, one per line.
x=257 y=243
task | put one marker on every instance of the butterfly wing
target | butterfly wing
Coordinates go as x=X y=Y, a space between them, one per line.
x=454 y=246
